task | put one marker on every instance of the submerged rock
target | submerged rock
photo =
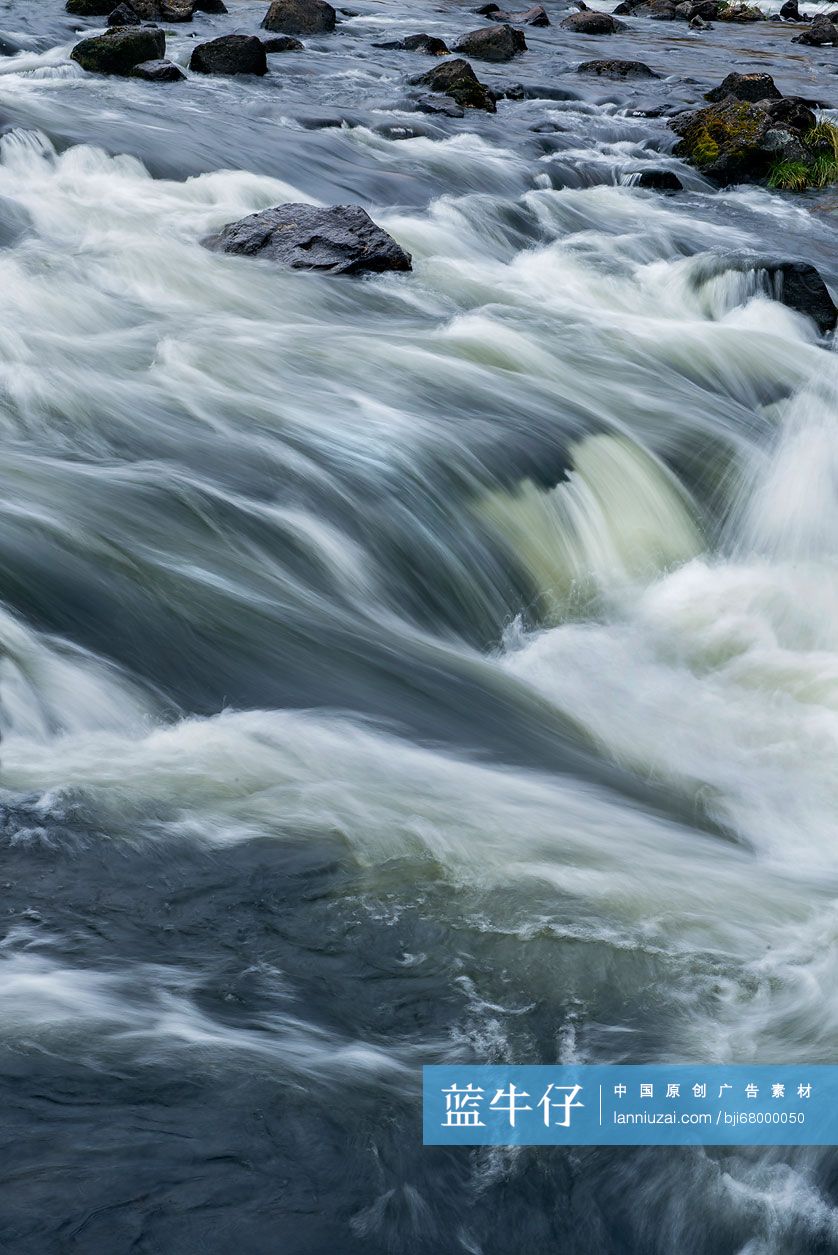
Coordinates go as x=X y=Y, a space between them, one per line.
x=589 y=23
x=745 y=87
x=659 y=181
x=300 y=17
x=230 y=54
x=282 y=43
x=617 y=69
x=441 y=105
x=458 y=80
x=158 y=72
x=341 y=239
x=822 y=31
x=493 y=43
x=118 y=51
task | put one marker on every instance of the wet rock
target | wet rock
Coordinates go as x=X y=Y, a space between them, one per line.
x=230 y=54
x=617 y=69
x=341 y=239
x=124 y=15
x=790 y=12
x=623 y=9
x=513 y=91
x=440 y=104
x=493 y=43
x=821 y=31
x=699 y=24
x=657 y=11
x=528 y=17
x=800 y=286
x=458 y=80
x=707 y=10
x=745 y=87
x=89 y=8
x=118 y=51
x=282 y=43
x=659 y=180
x=158 y=72
x=210 y=6
x=589 y=23
x=300 y=17
x=177 y=10
x=430 y=45
x=740 y=13
x=732 y=141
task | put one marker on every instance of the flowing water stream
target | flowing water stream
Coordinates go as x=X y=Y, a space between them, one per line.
x=432 y=667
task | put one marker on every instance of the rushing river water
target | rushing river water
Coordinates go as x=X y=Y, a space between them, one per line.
x=430 y=667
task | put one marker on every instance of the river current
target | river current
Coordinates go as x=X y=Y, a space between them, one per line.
x=432 y=667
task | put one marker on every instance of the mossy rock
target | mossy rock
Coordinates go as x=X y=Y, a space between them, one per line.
x=120 y=50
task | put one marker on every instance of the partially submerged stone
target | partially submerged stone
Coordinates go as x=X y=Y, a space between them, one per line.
x=736 y=140
x=119 y=51
x=158 y=72
x=589 y=23
x=617 y=69
x=822 y=31
x=282 y=43
x=340 y=239
x=659 y=181
x=493 y=43
x=745 y=87
x=458 y=80
x=230 y=54
x=300 y=17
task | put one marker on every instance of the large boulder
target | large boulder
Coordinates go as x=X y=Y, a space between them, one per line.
x=158 y=72
x=300 y=17
x=800 y=286
x=342 y=239
x=745 y=87
x=822 y=31
x=119 y=50
x=230 y=54
x=458 y=80
x=589 y=23
x=617 y=69
x=89 y=8
x=493 y=43
x=737 y=140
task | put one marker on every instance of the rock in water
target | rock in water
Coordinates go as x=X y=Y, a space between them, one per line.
x=299 y=17
x=118 y=51
x=745 y=87
x=458 y=80
x=617 y=69
x=528 y=17
x=800 y=286
x=822 y=31
x=589 y=23
x=124 y=15
x=429 y=44
x=659 y=181
x=230 y=54
x=282 y=43
x=211 y=6
x=158 y=72
x=342 y=239
x=493 y=43
x=738 y=140
x=89 y=8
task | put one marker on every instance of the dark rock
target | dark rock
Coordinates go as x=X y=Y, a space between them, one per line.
x=440 y=104
x=513 y=91
x=623 y=9
x=707 y=10
x=124 y=15
x=528 y=17
x=341 y=239
x=282 y=43
x=89 y=8
x=429 y=44
x=300 y=17
x=745 y=87
x=822 y=31
x=790 y=12
x=458 y=80
x=736 y=140
x=118 y=51
x=699 y=24
x=616 y=69
x=589 y=23
x=210 y=6
x=158 y=72
x=800 y=286
x=659 y=180
x=176 y=10
x=740 y=13
x=390 y=45
x=493 y=43
x=230 y=54
x=657 y=10
x=487 y=10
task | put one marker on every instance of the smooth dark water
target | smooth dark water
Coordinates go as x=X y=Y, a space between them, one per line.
x=439 y=666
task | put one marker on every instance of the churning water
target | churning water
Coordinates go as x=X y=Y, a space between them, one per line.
x=433 y=667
